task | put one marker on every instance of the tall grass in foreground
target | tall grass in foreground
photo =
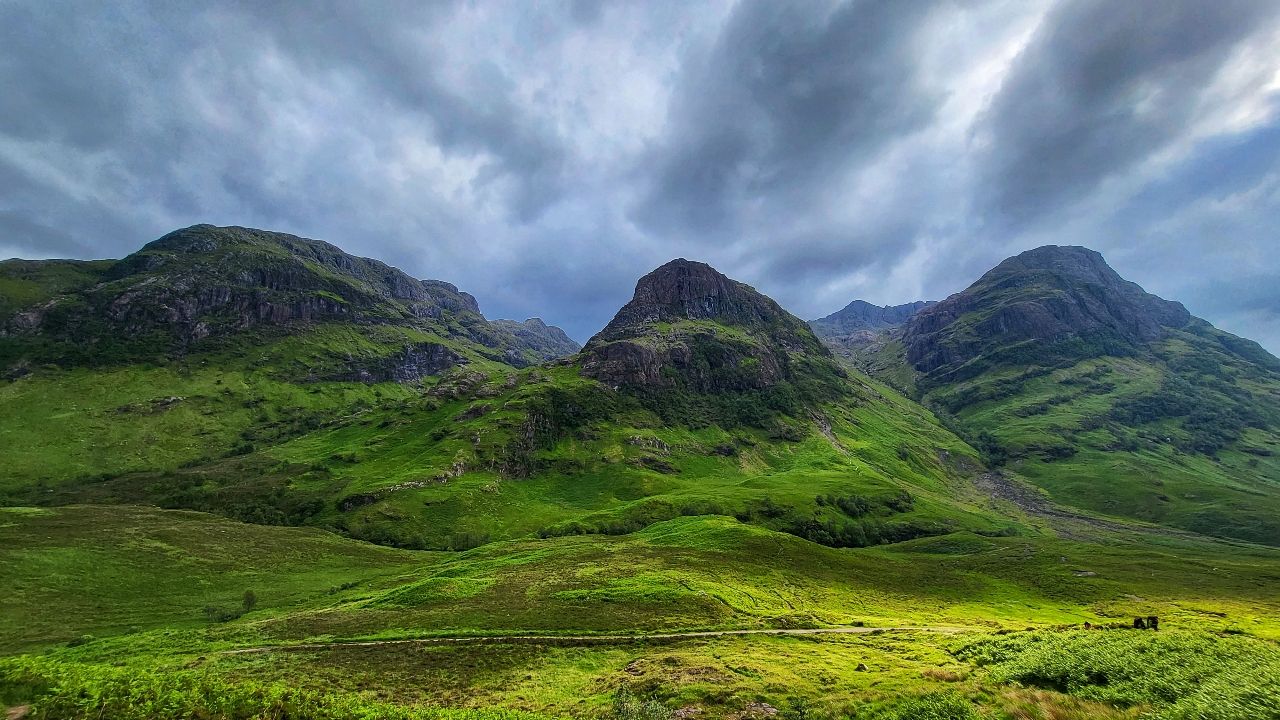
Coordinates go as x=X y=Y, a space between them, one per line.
x=1178 y=675
x=69 y=691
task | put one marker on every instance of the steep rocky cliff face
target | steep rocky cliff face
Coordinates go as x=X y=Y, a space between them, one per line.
x=414 y=362
x=1046 y=305
x=688 y=328
x=206 y=282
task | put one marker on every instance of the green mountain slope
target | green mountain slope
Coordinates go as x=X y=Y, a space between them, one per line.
x=702 y=396
x=211 y=342
x=1111 y=398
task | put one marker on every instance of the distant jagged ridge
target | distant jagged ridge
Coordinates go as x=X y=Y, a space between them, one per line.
x=862 y=315
x=547 y=341
x=860 y=331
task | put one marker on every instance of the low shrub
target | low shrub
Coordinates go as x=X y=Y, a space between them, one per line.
x=1182 y=675
x=938 y=706
x=73 y=691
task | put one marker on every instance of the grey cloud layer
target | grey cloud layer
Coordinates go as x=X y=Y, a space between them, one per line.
x=544 y=157
x=1102 y=87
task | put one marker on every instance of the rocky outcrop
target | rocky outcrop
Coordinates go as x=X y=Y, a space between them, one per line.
x=416 y=361
x=1050 y=297
x=690 y=327
x=700 y=362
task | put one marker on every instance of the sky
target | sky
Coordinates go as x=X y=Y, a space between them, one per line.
x=544 y=155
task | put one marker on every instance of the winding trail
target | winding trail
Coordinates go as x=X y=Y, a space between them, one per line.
x=589 y=639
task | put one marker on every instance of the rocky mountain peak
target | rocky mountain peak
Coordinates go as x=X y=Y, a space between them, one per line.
x=1064 y=297
x=690 y=327
x=205 y=281
x=688 y=290
x=685 y=288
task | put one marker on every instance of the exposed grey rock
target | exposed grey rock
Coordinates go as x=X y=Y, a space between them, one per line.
x=416 y=361
x=739 y=340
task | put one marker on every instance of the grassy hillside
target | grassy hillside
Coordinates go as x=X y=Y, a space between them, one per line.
x=64 y=425
x=30 y=283
x=84 y=570
x=1164 y=436
x=702 y=466
x=747 y=416
x=1111 y=399
x=542 y=451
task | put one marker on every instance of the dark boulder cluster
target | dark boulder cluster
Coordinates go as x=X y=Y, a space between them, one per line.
x=1147 y=622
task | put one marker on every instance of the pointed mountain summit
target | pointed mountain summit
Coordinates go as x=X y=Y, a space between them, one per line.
x=690 y=328
x=684 y=290
x=1051 y=304
x=1109 y=397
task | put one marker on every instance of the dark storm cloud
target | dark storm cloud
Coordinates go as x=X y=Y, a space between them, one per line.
x=381 y=46
x=791 y=94
x=826 y=255
x=544 y=156
x=1102 y=87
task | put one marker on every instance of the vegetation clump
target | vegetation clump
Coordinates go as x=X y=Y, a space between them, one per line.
x=73 y=691
x=1182 y=675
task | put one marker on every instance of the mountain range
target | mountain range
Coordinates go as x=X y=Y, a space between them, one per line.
x=277 y=379
x=204 y=287
x=247 y=470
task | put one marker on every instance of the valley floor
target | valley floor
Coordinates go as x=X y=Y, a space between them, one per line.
x=129 y=611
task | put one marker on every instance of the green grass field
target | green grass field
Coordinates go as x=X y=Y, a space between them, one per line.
x=94 y=587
